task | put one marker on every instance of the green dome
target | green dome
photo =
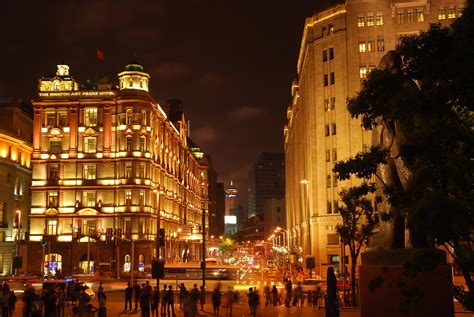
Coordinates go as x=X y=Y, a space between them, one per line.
x=134 y=67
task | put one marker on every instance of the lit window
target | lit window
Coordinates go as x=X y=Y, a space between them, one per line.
x=129 y=116
x=89 y=199
x=127 y=264
x=142 y=143
x=363 y=72
x=90 y=145
x=128 y=170
x=410 y=16
x=400 y=17
x=53 y=172
x=451 y=13
x=362 y=47
x=379 y=18
x=129 y=143
x=52 y=199
x=90 y=118
x=142 y=198
x=326 y=104
x=141 y=263
x=360 y=21
x=371 y=46
x=50 y=119
x=331 y=53
x=62 y=119
x=441 y=14
x=370 y=19
x=420 y=16
x=333 y=78
x=333 y=103
x=325 y=56
x=333 y=128
x=56 y=85
x=128 y=198
x=142 y=170
x=52 y=227
x=89 y=171
x=55 y=146
x=330 y=29
x=380 y=45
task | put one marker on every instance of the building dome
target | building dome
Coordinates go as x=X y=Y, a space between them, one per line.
x=133 y=77
x=134 y=67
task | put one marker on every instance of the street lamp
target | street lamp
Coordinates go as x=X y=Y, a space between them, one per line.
x=287 y=245
x=18 y=237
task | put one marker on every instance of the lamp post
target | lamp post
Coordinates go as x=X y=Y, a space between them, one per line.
x=278 y=229
x=203 y=263
x=18 y=236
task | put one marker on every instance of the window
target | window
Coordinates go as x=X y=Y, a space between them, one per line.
x=328 y=155
x=441 y=14
x=89 y=199
x=333 y=78
x=127 y=265
x=336 y=210
x=128 y=198
x=333 y=103
x=362 y=72
x=52 y=199
x=330 y=29
x=128 y=170
x=329 y=207
x=142 y=143
x=410 y=16
x=90 y=145
x=52 y=227
x=362 y=48
x=142 y=170
x=53 y=173
x=451 y=13
x=420 y=16
x=379 y=18
x=55 y=146
x=128 y=226
x=380 y=45
x=142 y=198
x=400 y=17
x=62 y=119
x=360 y=21
x=324 y=29
x=326 y=80
x=144 y=117
x=129 y=144
x=371 y=46
x=325 y=56
x=370 y=19
x=326 y=104
x=334 y=154
x=328 y=181
x=331 y=53
x=129 y=116
x=326 y=128
x=50 y=119
x=89 y=171
x=141 y=263
x=333 y=128
x=334 y=180
x=90 y=119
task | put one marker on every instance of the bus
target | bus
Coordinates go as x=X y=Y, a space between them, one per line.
x=193 y=271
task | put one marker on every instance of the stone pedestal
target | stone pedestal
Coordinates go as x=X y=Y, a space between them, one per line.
x=387 y=288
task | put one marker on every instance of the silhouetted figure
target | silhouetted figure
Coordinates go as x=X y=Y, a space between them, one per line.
x=332 y=307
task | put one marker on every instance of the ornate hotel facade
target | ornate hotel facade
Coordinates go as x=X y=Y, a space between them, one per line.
x=339 y=47
x=107 y=159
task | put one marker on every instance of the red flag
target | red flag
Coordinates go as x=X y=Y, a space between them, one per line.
x=100 y=55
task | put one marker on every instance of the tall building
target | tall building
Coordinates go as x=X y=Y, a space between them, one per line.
x=340 y=46
x=220 y=209
x=108 y=160
x=16 y=119
x=266 y=181
x=231 y=203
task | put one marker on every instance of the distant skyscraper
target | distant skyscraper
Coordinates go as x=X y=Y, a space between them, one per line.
x=231 y=196
x=266 y=181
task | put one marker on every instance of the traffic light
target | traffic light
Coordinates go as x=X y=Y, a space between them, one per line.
x=161 y=238
x=118 y=236
x=108 y=236
x=158 y=269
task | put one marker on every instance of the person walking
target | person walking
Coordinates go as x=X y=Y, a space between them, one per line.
x=332 y=307
x=274 y=295
x=182 y=293
x=288 y=288
x=202 y=297
x=145 y=301
x=216 y=301
x=102 y=304
x=136 y=294
x=170 y=301
x=267 y=295
x=164 y=300
x=155 y=302
x=299 y=296
x=128 y=297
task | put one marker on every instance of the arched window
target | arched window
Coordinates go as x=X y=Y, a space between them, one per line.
x=129 y=116
x=52 y=264
x=141 y=263
x=127 y=264
x=129 y=143
x=143 y=143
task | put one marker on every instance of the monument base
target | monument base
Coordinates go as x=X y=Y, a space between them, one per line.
x=388 y=286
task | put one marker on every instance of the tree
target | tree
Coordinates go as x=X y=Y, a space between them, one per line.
x=436 y=122
x=358 y=224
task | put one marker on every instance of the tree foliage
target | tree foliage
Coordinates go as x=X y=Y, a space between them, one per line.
x=432 y=102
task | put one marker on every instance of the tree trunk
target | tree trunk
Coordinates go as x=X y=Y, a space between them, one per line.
x=353 y=280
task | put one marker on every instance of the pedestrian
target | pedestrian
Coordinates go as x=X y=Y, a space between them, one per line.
x=128 y=297
x=299 y=295
x=35 y=305
x=182 y=292
x=230 y=296
x=288 y=288
x=102 y=304
x=11 y=303
x=27 y=299
x=145 y=301
x=170 y=301
x=155 y=301
x=101 y=288
x=274 y=295
x=83 y=300
x=216 y=301
x=5 y=300
x=164 y=300
x=49 y=303
x=136 y=294
x=267 y=295
x=202 y=297
x=332 y=307
x=61 y=302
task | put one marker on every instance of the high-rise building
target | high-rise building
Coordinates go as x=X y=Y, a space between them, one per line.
x=220 y=209
x=109 y=167
x=340 y=46
x=16 y=119
x=231 y=198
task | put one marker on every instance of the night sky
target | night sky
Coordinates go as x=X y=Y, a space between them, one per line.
x=231 y=62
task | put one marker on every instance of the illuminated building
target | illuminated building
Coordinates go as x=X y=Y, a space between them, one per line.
x=107 y=157
x=15 y=177
x=340 y=46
